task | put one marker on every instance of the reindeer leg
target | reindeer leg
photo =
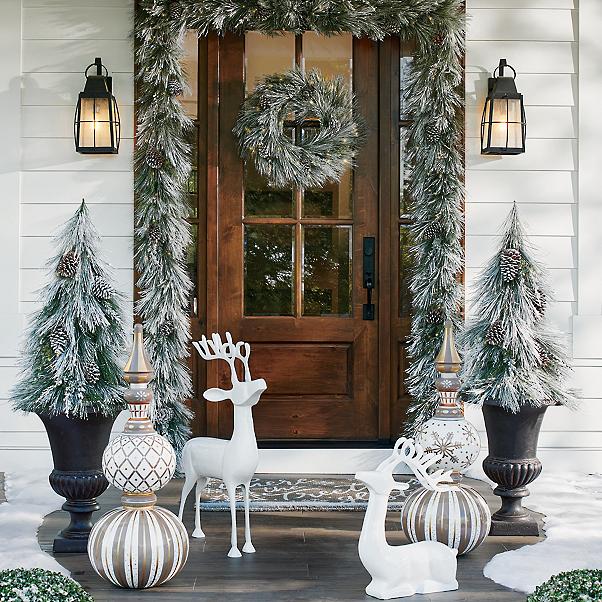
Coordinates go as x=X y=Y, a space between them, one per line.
x=188 y=485
x=234 y=551
x=200 y=485
x=248 y=547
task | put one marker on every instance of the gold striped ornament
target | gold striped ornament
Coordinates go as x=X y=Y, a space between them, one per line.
x=138 y=548
x=459 y=517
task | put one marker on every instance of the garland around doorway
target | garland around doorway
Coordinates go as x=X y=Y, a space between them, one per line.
x=163 y=163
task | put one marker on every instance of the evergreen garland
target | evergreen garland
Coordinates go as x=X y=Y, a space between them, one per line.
x=72 y=358
x=324 y=153
x=40 y=585
x=434 y=101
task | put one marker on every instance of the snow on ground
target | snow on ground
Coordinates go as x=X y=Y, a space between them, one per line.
x=572 y=504
x=29 y=498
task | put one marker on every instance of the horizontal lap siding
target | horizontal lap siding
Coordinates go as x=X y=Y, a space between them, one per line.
x=538 y=38
x=59 y=39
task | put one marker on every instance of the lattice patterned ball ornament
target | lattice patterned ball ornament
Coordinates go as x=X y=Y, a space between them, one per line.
x=67 y=266
x=139 y=545
x=101 y=289
x=58 y=339
x=510 y=264
x=495 y=335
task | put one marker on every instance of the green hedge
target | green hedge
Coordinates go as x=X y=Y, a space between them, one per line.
x=574 y=586
x=38 y=585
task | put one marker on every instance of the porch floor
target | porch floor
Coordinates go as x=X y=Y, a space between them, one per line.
x=300 y=556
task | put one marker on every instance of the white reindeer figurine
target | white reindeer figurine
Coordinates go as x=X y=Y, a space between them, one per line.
x=398 y=571
x=233 y=461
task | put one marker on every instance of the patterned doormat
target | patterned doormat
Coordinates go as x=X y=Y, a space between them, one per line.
x=276 y=494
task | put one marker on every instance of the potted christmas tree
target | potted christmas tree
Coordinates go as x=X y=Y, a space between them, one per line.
x=71 y=374
x=515 y=366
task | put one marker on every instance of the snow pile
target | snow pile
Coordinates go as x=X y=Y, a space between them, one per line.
x=29 y=499
x=572 y=504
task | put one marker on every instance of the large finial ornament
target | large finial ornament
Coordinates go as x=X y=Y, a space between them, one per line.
x=139 y=545
x=448 y=433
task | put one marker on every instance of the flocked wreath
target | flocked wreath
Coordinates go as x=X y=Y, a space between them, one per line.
x=327 y=114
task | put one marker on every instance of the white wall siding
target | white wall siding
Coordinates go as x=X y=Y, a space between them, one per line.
x=539 y=38
x=50 y=43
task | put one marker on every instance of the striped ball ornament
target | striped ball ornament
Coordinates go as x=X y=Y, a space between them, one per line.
x=138 y=548
x=459 y=518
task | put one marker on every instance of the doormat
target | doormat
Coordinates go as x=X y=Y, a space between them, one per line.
x=302 y=493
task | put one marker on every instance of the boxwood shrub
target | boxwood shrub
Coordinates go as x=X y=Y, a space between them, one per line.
x=573 y=586
x=38 y=585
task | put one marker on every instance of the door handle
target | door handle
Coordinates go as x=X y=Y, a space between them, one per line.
x=369 y=277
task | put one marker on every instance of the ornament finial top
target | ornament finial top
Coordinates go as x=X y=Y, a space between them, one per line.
x=448 y=360
x=138 y=368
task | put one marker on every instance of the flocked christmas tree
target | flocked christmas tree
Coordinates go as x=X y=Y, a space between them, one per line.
x=514 y=357
x=71 y=363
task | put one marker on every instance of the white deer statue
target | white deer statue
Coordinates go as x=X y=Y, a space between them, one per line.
x=398 y=571
x=233 y=461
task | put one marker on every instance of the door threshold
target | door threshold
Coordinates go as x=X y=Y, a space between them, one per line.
x=323 y=460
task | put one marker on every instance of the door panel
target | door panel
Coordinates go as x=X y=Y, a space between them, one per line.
x=289 y=273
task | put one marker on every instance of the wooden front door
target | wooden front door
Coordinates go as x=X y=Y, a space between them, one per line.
x=285 y=269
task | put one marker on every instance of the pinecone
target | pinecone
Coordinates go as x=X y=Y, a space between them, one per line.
x=432 y=134
x=155 y=234
x=155 y=159
x=176 y=9
x=495 y=335
x=545 y=359
x=163 y=415
x=431 y=231
x=67 y=267
x=58 y=339
x=438 y=39
x=91 y=372
x=175 y=87
x=166 y=328
x=434 y=316
x=101 y=289
x=540 y=302
x=510 y=264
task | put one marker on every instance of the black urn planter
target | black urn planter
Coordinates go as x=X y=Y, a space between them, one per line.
x=512 y=463
x=77 y=445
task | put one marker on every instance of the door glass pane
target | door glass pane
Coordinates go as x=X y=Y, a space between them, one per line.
x=263 y=200
x=265 y=55
x=268 y=274
x=405 y=65
x=334 y=199
x=404 y=175
x=190 y=65
x=192 y=263
x=405 y=267
x=327 y=270
x=332 y=55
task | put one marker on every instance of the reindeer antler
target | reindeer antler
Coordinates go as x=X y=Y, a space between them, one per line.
x=420 y=461
x=229 y=351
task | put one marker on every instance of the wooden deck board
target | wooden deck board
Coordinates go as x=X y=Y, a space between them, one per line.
x=301 y=556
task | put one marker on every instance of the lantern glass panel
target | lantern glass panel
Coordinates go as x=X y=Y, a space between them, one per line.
x=95 y=123
x=485 y=132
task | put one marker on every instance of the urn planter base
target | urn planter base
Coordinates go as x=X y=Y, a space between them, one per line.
x=77 y=446
x=512 y=464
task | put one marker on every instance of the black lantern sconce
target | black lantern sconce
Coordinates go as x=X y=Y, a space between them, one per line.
x=503 y=125
x=97 y=127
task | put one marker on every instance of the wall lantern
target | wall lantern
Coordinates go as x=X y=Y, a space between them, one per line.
x=97 y=128
x=503 y=125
